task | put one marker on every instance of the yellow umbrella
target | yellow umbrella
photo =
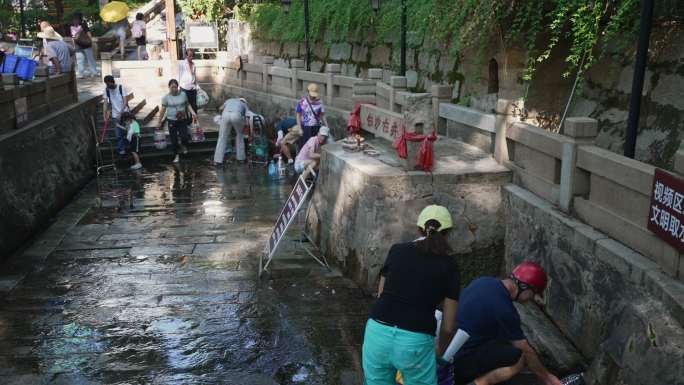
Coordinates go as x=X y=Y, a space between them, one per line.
x=114 y=11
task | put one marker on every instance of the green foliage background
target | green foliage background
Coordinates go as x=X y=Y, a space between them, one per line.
x=538 y=25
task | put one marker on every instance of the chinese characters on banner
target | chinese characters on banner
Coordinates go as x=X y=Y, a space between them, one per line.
x=381 y=123
x=666 y=214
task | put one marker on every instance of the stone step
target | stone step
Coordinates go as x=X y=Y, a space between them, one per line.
x=152 y=152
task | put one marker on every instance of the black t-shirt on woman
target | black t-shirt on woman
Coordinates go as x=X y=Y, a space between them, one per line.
x=415 y=283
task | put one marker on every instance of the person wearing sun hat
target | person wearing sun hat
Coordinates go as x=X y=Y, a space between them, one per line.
x=310 y=113
x=309 y=157
x=416 y=277
x=58 y=52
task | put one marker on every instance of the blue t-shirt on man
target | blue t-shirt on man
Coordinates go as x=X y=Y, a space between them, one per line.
x=486 y=312
x=285 y=124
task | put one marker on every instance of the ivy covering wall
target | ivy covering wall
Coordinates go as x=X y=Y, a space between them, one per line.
x=464 y=24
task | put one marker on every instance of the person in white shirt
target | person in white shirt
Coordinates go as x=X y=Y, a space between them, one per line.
x=187 y=78
x=233 y=112
x=116 y=104
x=139 y=33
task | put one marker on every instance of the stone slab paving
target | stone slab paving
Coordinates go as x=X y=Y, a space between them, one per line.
x=166 y=291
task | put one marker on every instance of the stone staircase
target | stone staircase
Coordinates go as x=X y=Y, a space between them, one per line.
x=147 y=116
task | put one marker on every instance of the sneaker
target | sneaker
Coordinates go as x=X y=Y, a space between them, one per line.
x=176 y=159
x=136 y=166
x=184 y=150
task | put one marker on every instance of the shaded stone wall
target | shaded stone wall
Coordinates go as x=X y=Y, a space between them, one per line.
x=44 y=95
x=43 y=166
x=620 y=310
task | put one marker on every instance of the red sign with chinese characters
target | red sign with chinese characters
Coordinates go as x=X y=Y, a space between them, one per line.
x=666 y=217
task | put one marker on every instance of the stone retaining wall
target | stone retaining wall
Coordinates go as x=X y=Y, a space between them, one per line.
x=43 y=165
x=44 y=95
x=618 y=307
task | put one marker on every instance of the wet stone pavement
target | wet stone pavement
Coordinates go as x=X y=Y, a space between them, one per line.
x=163 y=289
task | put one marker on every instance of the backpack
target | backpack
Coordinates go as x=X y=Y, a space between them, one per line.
x=83 y=40
x=120 y=93
x=122 y=97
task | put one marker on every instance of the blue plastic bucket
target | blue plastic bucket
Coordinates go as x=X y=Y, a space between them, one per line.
x=9 y=64
x=26 y=69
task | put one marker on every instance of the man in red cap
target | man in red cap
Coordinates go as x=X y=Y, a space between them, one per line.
x=497 y=348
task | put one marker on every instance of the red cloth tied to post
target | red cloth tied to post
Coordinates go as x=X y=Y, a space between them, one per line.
x=426 y=155
x=354 y=124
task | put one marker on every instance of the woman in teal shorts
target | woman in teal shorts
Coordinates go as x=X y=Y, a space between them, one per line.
x=416 y=277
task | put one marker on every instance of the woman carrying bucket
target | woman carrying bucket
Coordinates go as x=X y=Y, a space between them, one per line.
x=416 y=277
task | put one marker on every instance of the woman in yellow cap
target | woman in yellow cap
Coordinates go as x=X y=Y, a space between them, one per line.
x=416 y=277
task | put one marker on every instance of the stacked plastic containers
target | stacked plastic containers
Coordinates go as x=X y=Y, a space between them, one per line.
x=23 y=67
x=9 y=64
x=26 y=69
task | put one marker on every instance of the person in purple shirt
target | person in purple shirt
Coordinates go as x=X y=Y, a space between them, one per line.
x=309 y=156
x=310 y=114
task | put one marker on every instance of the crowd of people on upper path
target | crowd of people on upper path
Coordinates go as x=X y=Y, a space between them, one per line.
x=479 y=336
x=297 y=140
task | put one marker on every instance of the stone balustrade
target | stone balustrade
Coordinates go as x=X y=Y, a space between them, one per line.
x=149 y=78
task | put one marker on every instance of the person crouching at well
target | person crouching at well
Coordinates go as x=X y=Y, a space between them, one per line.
x=497 y=349
x=309 y=156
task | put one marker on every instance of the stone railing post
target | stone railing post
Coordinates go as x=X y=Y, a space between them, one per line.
x=266 y=75
x=398 y=83
x=106 y=66
x=440 y=94
x=504 y=117
x=363 y=91
x=331 y=70
x=242 y=74
x=573 y=181
x=296 y=65
x=375 y=74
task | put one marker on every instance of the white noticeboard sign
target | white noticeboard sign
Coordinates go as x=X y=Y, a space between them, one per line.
x=201 y=35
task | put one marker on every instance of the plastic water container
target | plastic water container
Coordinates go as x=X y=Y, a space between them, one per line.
x=9 y=64
x=159 y=139
x=26 y=69
x=273 y=170
x=197 y=133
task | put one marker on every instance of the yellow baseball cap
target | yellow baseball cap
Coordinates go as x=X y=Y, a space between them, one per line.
x=438 y=213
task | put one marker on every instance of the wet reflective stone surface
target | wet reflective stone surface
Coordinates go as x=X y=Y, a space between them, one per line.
x=150 y=277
